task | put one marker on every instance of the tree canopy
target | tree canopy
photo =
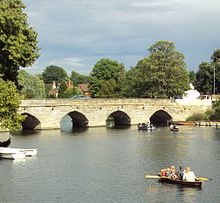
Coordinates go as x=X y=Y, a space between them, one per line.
x=77 y=78
x=18 y=41
x=32 y=86
x=162 y=74
x=107 y=72
x=9 y=104
x=204 y=78
x=54 y=73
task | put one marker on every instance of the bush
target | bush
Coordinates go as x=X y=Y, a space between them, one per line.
x=197 y=117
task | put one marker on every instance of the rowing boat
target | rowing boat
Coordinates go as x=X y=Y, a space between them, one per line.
x=197 y=183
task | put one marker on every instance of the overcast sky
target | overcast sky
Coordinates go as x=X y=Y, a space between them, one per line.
x=75 y=34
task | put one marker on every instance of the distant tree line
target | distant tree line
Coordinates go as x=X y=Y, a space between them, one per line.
x=161 y=74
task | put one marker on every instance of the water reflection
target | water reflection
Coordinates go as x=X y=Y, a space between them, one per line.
x=108 y=165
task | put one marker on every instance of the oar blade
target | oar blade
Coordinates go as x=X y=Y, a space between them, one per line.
x=204 y=179
x=151 y=177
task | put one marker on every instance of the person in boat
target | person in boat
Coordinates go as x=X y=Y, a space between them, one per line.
x=189 y=175
x=180 y=173
x=171 y=126
x=169 y=172
x=172 y=172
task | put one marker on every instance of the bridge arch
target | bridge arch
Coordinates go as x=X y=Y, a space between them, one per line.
x=77 y=119
x=118 y=119
x=30 y=122
x=160 y=118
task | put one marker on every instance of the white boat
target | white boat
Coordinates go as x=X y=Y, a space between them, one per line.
x=15 y=153
x=11 y=155
x=29 y=152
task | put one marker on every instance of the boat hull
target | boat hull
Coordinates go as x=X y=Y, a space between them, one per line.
x=180 y=182
x=175 y=130
x=145 y=128
x=15 y=153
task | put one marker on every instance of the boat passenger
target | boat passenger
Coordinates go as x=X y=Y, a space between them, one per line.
x=180 y=173
x=171 y=126
x=189 y=175
x=172 y=172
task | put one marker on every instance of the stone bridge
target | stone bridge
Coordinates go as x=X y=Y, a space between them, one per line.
x=48 y=113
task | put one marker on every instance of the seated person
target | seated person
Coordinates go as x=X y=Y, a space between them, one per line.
x=180 y=173
x=189 y=175
x=172 y=172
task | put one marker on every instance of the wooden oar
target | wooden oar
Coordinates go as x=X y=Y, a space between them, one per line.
x=151 y=177
x=203 y=178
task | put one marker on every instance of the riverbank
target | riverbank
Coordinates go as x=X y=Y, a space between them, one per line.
x=199 y=123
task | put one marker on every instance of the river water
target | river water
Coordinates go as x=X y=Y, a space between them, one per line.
x=108 y=165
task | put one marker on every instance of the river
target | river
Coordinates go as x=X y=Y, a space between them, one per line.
x=108 y=165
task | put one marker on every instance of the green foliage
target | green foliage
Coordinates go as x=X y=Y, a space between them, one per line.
x=32 y=86
x=62 y=89
x=216 y=111
x=64 y=92
x=204 y=78
x=18 y=41
x=103 y=74
x=108 y=89
x=216 y=65
x=162 y=74
x=78 y=78
x=216 y=56
x=54 y=73
x=210 y=115
x=9 y=104
x=198 y=117
x=192 y=77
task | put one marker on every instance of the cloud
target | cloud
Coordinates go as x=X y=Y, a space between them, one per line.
x=77 y=33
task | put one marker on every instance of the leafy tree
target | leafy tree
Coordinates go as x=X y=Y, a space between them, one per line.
x=9 y=104
x=62 y=89
x=215 y=60
x=64 y=92
x=32 y=86
x=204 y=78
x=18 y=41
x=192 y=77
x=162 y=74
x=78 y=78
x=54 y=73
x=105 y=70
x=133 y=86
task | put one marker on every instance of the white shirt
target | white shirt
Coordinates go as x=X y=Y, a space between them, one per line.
x=189 y=176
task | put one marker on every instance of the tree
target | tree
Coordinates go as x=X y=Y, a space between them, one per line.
x=9 y=104
x=215 y=60
x=78 y=78
x=105 y=70
x=204 y=78
x=32 y=86
x=18 y=41
x=54 y=73
x=192 y=77
x=162 y=74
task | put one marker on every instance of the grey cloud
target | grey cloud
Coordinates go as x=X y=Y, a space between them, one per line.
x=122 y=29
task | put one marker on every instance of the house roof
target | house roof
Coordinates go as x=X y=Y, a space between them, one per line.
x=84 y=87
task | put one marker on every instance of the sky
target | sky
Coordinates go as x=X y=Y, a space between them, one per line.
x=76 y=34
